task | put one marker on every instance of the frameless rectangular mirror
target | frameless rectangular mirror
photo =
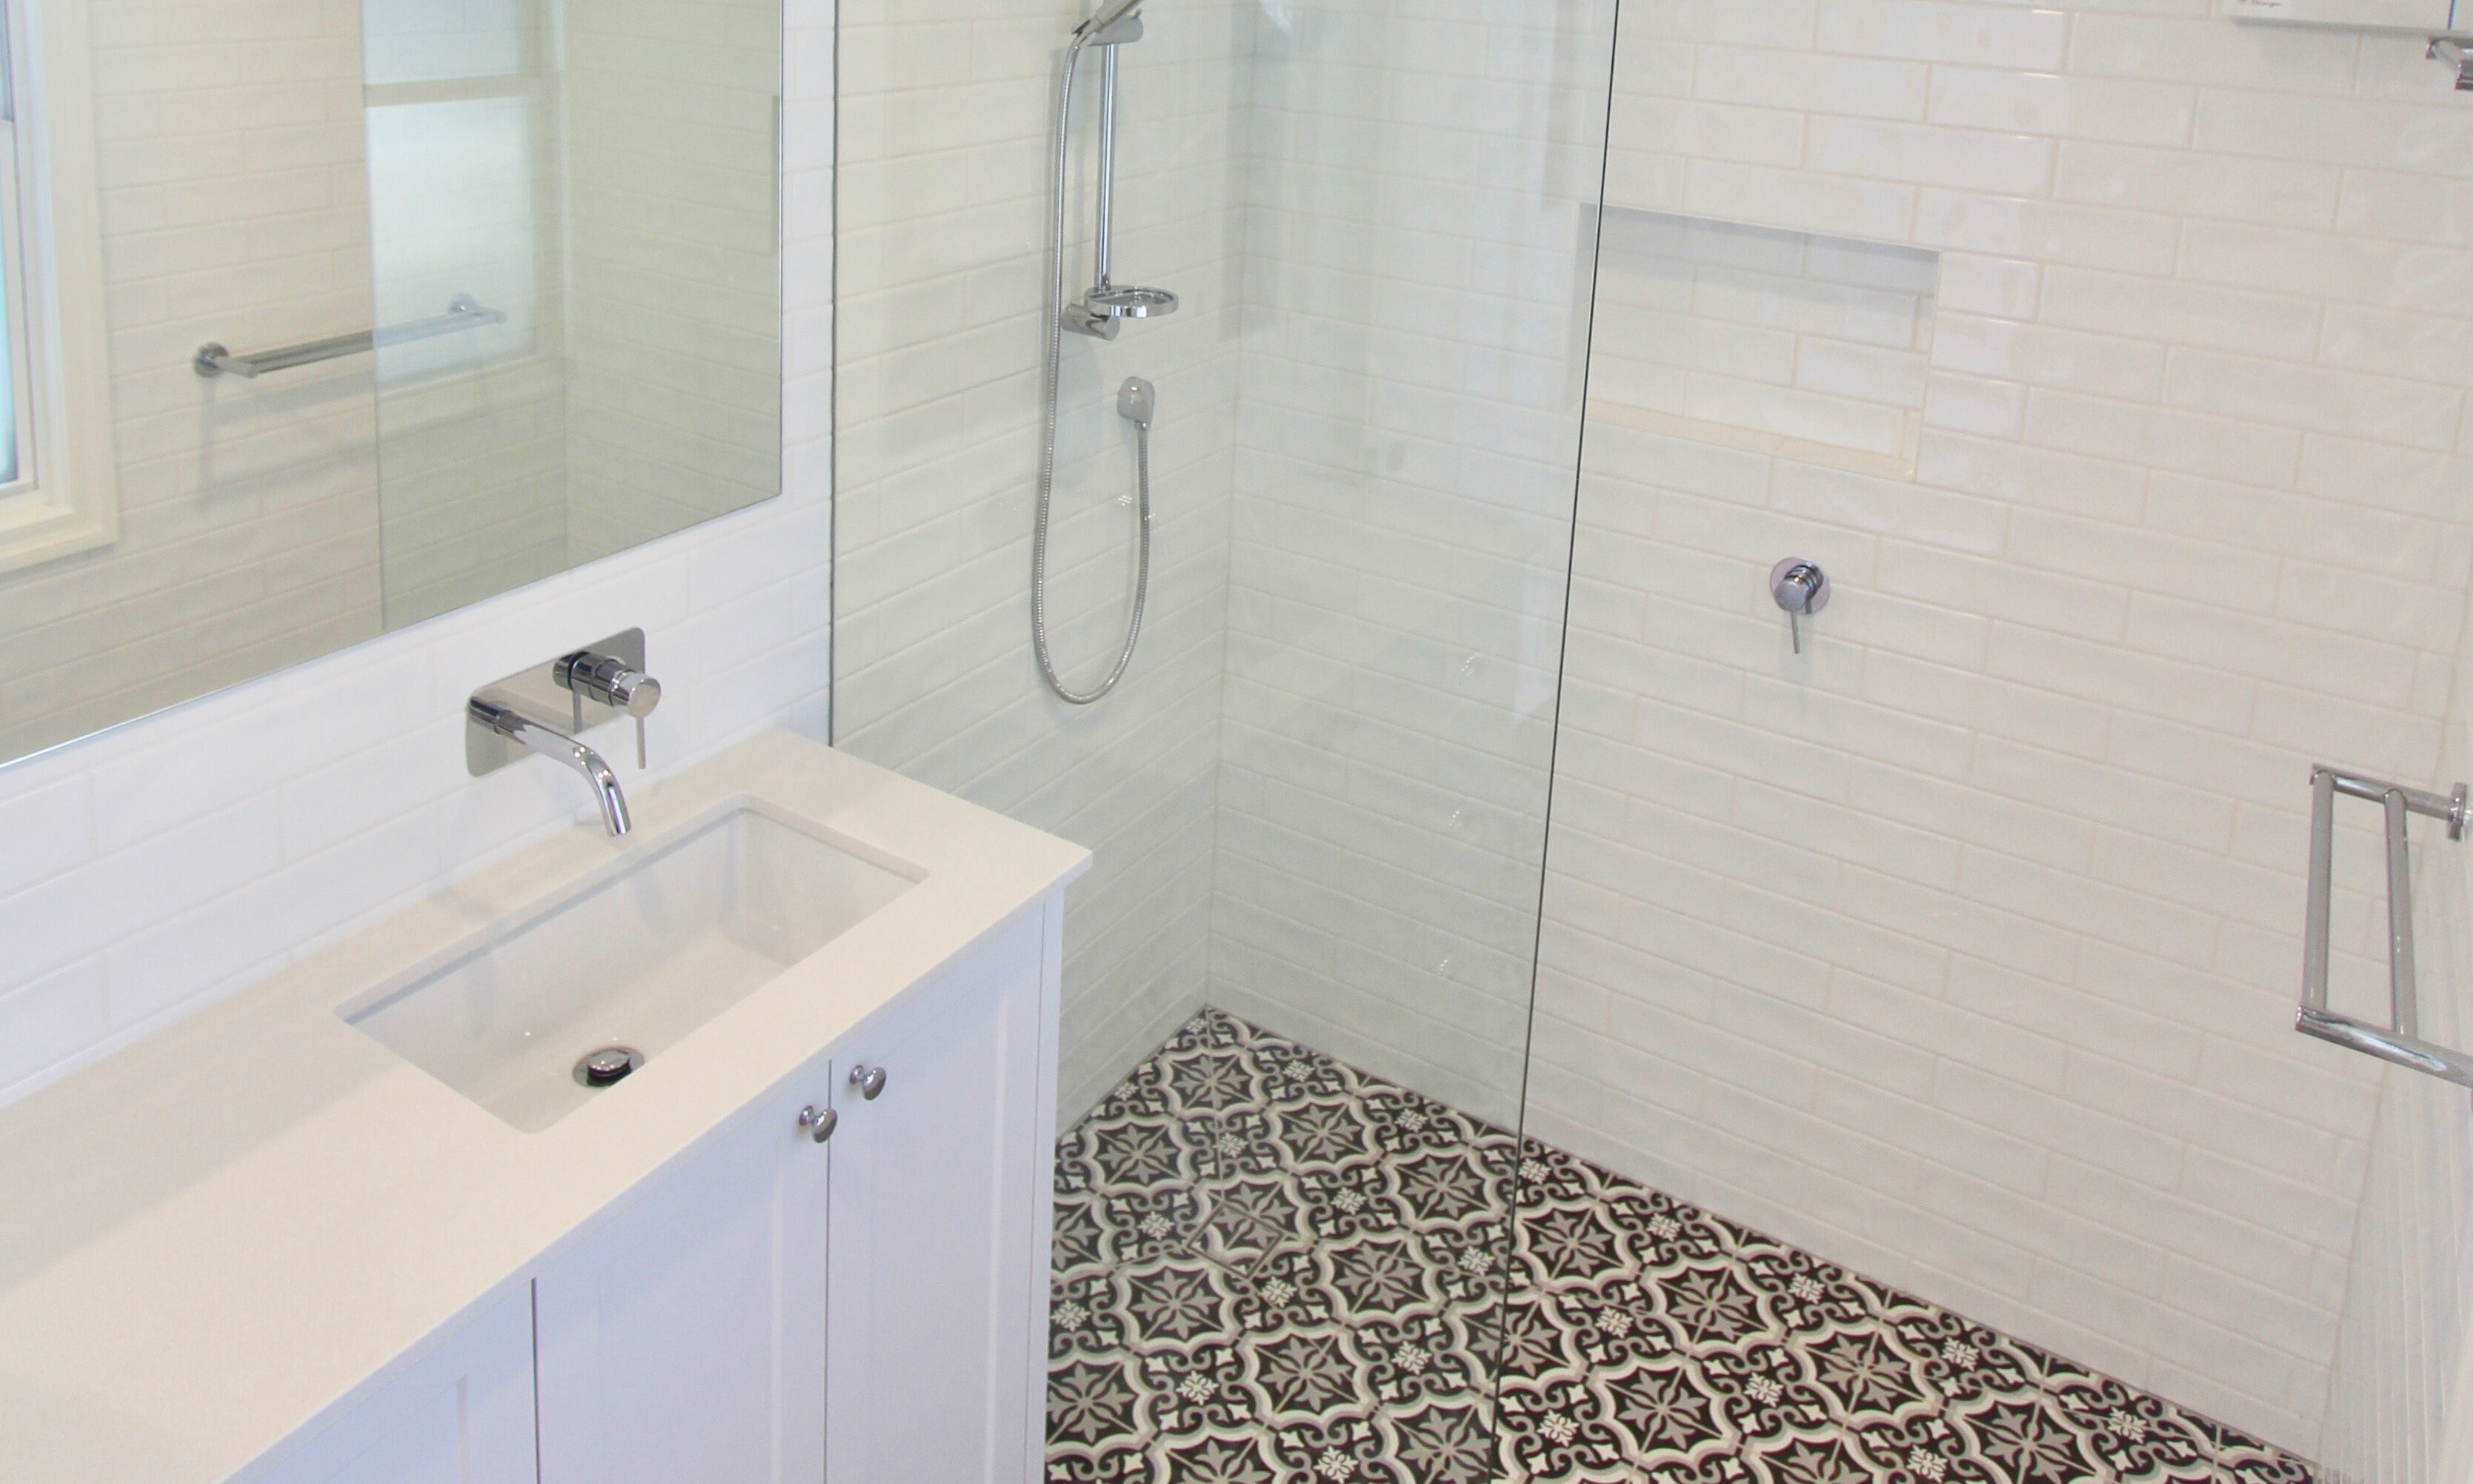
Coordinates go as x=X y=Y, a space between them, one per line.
x=404 y=305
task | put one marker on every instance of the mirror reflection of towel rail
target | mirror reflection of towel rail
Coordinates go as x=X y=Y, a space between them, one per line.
x=462 y=312
x=2400 y=1040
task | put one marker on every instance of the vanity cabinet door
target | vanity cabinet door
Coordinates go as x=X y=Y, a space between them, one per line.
x=684 y=1343
x=940 y=1211
x=463 y=1415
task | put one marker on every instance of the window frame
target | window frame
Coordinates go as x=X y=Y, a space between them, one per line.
x=67 y=497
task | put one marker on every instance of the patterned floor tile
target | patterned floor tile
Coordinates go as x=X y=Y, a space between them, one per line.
x=1273 y=1269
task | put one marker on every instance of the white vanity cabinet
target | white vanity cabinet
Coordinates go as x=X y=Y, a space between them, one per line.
x=941 y=1205
x=783 y=1311
x=779 y=1310
x=462 y=1415
x=684 y=1340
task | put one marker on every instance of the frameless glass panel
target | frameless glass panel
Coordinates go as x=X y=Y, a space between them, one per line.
x=1297 y=981
x=1421 y=246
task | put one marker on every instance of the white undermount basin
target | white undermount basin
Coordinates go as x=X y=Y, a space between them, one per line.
x=637 y=955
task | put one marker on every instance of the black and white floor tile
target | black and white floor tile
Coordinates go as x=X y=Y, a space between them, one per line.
x=1273 y=1269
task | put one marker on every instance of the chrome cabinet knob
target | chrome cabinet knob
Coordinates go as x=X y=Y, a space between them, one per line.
x=869 y=1080
x=819 y=1122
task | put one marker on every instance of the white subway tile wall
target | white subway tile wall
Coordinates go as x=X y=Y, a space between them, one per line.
x=149 y=870
x=474 y=488
x=674 y=324
x=1419 y=251
x=948 y=124
x=468 y=197
x=1962 y=948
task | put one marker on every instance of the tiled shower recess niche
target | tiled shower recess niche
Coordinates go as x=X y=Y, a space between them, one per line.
x=1784 y=343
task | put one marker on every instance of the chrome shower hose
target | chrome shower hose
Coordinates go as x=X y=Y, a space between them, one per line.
x=1048 y=443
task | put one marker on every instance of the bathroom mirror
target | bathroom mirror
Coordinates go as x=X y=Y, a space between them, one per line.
x=326 y=320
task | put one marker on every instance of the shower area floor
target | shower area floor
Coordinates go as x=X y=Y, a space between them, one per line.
x=1271 y=1268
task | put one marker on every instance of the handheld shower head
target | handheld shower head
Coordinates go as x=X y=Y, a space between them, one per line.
x=1109 y=15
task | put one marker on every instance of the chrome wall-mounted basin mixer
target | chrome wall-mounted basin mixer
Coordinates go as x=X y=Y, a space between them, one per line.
x=1100 y=313
x=526 y=712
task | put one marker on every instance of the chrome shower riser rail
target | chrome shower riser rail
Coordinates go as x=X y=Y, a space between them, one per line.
x=463 y=313
x=2400 y=1040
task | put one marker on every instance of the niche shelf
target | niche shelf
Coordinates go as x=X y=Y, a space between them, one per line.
x=1791 y=343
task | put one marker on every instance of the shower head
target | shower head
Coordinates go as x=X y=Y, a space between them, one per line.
x=1109 y=15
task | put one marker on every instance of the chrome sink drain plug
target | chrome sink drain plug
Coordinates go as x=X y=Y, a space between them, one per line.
x=610 y=1063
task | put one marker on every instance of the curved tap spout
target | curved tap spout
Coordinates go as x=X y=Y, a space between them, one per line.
x=560 y=748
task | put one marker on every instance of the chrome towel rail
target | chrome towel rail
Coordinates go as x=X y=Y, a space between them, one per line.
x=2400 y=1040
x=462 y=312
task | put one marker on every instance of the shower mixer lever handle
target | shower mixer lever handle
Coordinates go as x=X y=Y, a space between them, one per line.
x=1802 y=590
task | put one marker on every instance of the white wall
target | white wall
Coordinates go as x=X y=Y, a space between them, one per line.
x=1779 y=342
x=674 y=323
x=466 y=187
x=1963 y=948
x=947 y=127
x=149 y=870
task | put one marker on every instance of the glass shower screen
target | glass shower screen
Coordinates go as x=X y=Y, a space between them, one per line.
x=1297 y=983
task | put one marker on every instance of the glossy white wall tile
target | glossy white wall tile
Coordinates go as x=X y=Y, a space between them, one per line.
x=673 y=412
x=150 y=869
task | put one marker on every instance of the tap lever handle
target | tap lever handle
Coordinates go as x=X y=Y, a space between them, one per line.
x=610 y=681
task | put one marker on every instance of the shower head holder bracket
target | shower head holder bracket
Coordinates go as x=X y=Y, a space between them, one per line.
x=1103 y=311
